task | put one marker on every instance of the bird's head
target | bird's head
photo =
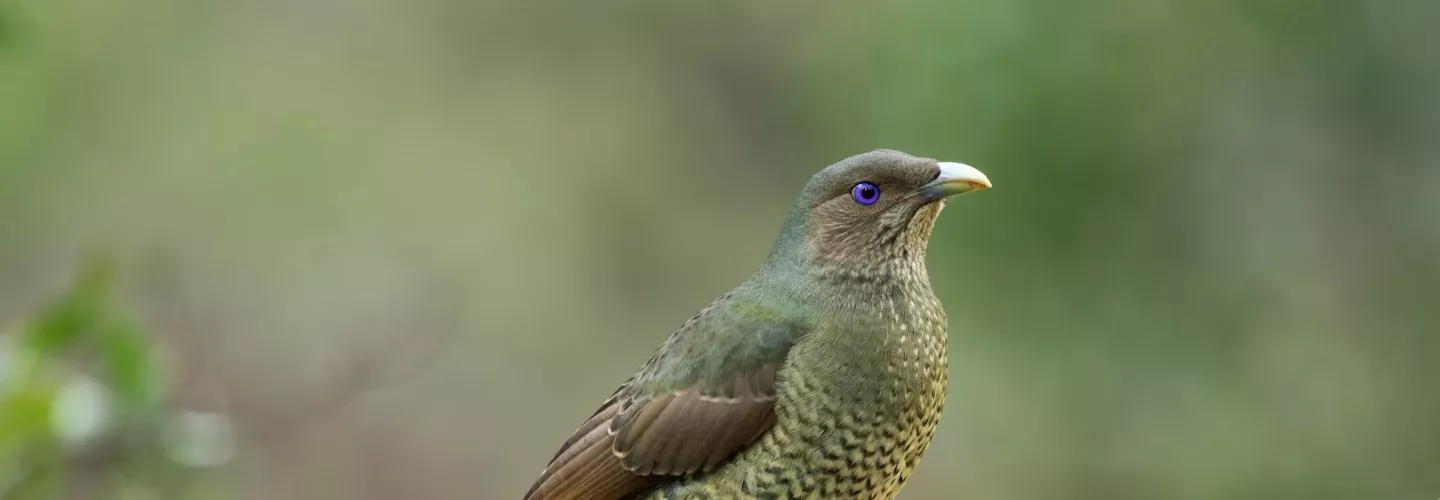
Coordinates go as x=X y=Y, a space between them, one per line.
x=872 y=208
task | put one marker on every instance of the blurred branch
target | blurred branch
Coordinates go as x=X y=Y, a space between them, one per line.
x=384 y=359
x=181 y=325
x=379 y=358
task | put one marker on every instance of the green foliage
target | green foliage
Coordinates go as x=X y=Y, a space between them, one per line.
x=38 y=362
x=84 y=317
x=6 y=32
x=27 y=412
x=131 y=370
x=80 y=312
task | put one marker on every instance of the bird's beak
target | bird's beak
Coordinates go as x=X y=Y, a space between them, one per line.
x=955 y=179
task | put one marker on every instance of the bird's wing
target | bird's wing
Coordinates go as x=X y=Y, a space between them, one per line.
x=706 y=393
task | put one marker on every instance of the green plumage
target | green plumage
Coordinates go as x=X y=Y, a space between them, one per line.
x=822 y=376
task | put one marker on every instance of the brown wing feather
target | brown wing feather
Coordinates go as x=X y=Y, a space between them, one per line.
x=586 y=468
x=634 y=442
x=703 y=396
x=691 y=431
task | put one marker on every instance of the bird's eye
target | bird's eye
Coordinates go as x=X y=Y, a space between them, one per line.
x=865 y=193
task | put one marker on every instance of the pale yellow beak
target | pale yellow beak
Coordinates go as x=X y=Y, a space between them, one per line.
x=955 y=179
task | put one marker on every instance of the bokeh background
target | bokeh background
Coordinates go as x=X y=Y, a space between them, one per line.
x=382 y=249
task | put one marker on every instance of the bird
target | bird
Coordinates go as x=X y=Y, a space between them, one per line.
x=822 y=375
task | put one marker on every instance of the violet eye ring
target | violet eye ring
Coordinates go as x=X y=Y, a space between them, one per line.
x=865 y=193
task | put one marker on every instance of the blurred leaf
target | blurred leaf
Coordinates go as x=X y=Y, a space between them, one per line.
x=81 y=411
x=62 y=323
x=200 y=439
x=131 y=371
x=26 y=412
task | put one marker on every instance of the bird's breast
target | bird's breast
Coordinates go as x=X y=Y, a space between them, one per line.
x=858 y=401
x=855 y=416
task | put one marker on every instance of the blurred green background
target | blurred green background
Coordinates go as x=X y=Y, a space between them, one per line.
x=405 y=247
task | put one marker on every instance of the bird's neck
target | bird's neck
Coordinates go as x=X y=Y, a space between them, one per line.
x=871 y=330
x=864 y=298
x=875 y=281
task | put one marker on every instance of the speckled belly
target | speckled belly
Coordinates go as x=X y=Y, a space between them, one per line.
x=858 y=443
